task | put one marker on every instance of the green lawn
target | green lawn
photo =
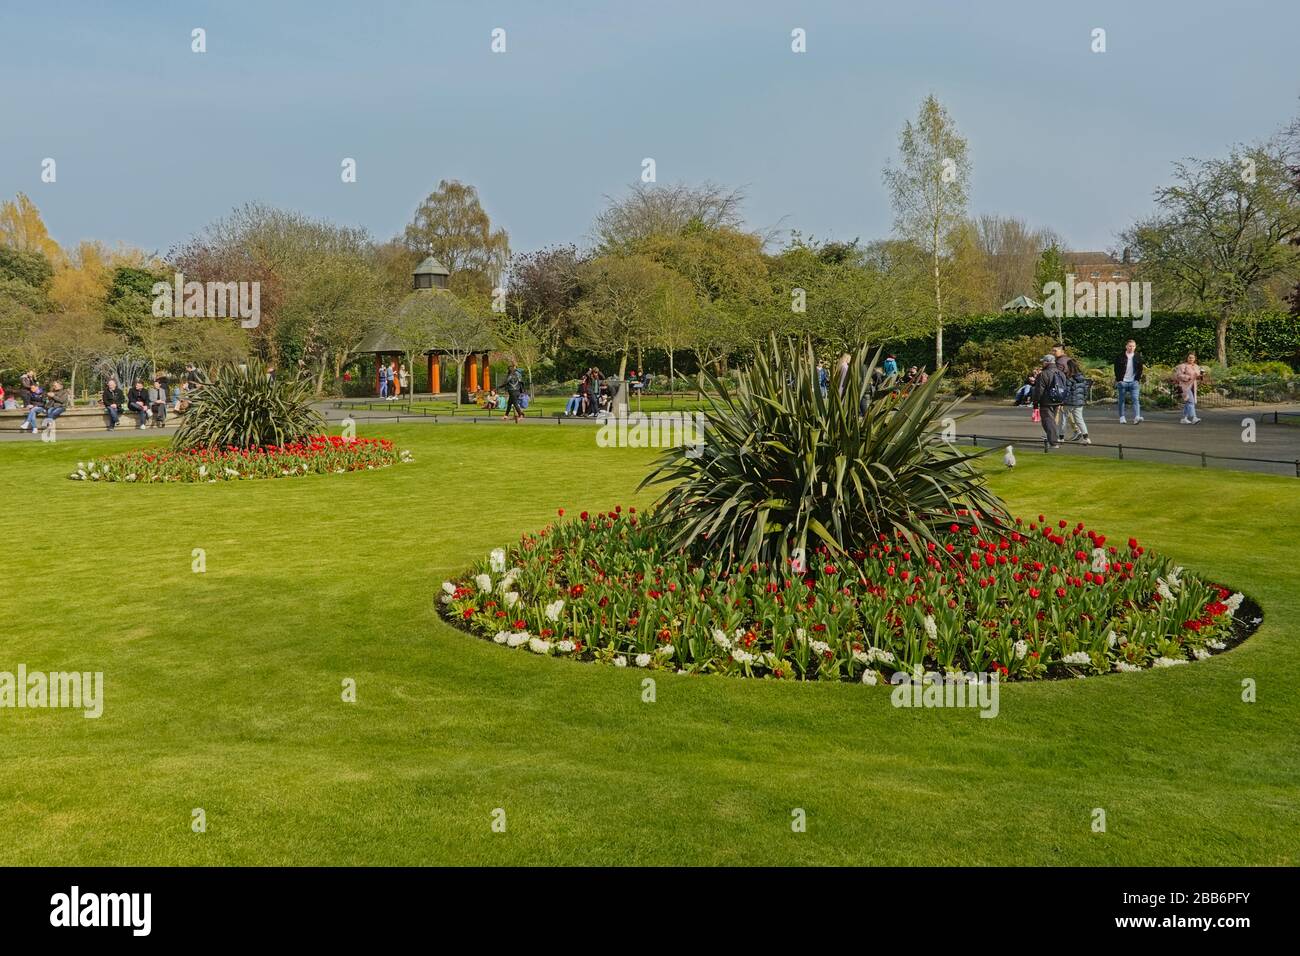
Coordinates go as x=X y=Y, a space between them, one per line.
x=223 y=689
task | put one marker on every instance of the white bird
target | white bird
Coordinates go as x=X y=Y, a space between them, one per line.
x=1009 y=459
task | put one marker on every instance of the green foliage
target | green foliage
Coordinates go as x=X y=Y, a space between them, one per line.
x=1006 y=361
x=976 y=382
x=28 y=268
x=783 y=467
x=240 y=407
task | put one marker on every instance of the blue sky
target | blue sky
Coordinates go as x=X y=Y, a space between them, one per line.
x=153 y=141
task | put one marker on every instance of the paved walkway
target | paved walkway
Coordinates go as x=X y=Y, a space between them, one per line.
x=1220 y=435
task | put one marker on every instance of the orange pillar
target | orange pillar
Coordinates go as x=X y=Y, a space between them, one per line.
x=435 y=374
x=487 y=373
x=473 y=373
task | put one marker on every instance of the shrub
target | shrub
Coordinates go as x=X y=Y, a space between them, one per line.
x=976 y=382
x=783 y=468
x=1007 y=361
x=241 y=408
x=1025 y=599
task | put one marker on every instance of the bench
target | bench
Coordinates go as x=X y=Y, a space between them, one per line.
x=80 y=418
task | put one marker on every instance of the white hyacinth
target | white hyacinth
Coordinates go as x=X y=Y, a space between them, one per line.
x=566 y=646
x=1163 y=589
x=643 y=660
x=539 y=646
x=516 y=638
x=666 y=651
x=1168 y=661
x=483 y=581
x=819 y=647
x=1216 y=645
x=1111 y=639
x=1234 y=602
x=448 y=587
x=721 y=639
x=553 y=610
x=498 y=559
x=511 y=598
x=508 y=581
x=1021 y=648
x=620 y=661
x=801 y=634
x=500 y=637
x=1078 y=657
x=1200 y=653
x=1126 y=667
x=869 y=678
x=741 y=657
x=931 y=629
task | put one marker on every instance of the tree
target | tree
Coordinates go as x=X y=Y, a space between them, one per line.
x=451 y=225
x=77 y=340
x=543 y=286
x=435 y=318
x=652 y=210
x=23 y=229
x=1222 y=233
x=674 y=320
x=618 y=293
x=327 y=308
x=1050 y=268
x=928 y=189
x=1011 y=250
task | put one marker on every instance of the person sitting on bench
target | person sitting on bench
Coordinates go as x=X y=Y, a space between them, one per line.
x=158 y=403
x=114 y=402
x=55 y=404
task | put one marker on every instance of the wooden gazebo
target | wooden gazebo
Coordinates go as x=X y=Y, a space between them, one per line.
x=429 y=275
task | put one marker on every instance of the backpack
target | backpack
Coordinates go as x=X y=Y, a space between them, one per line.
x=1056 y=391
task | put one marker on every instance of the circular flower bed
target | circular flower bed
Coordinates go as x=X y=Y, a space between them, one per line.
x=1027 y=599
x=317 y=454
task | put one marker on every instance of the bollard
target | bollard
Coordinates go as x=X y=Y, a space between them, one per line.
x=1121 y=451
x=1202 y=459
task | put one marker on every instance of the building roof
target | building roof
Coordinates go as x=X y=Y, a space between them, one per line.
x=431 y=266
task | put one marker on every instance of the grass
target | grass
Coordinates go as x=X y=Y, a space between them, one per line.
x=223 y=689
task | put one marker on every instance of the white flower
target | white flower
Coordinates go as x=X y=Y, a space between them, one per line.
x=1234 y=602
x=1169 y=661
x=1111 y=639
x=484 y=582
x=498 y=559
x=131 y=477
x=508 y=581
x=931 y=629
x=511 y=598
x=869 y=677
x=666 y=651
x=1163 y=589
x=1078 y=657
x=878 y=654
x=500 y=637
x=1126 y=667
x=741 y=657
x=539 y=646
x=566 y=646
x=553 y=609
x=721 y=639
x=819 y=647
x=1200 y=653
x=1021 y=649
x=620 y=661
x=801 y=634
x=516 y=638
x=643 y=660
x=203 y=471
x=448 y=587
x=1216 y=645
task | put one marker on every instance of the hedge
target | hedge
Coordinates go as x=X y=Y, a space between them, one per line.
x=1171 y=335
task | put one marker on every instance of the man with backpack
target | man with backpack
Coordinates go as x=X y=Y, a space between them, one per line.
x=1050 y=391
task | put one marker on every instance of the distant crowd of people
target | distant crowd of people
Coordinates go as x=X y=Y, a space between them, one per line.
x=393 y=379
x=1060 y=388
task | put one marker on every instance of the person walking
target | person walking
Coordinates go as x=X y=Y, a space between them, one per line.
x=1049 y=393
x=114 y=402
x=1080 y=392
x=403 y=379
x=1188 y=376
x=514 y=390
x=1128 y=381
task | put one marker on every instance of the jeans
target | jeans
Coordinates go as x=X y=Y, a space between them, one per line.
x=1074 y=415
x=142 y=413
x=383 y=388
x=114 y=413
x=160 y=413
x=1189 y=409
x=49 y=413
x=573 y=405
x=1129 y=390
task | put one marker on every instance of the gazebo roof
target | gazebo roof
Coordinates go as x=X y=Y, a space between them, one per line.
x=432 y=267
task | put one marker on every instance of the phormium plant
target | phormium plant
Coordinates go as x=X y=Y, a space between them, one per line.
x=242 y=407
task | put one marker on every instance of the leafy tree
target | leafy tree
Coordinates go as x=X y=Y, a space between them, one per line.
x=451 y=225
x=1050 y=268
x=76 y=341
x=928 y=189
x=23 y=229
x=617 y=303
x=1222 y=233
x=327 y=308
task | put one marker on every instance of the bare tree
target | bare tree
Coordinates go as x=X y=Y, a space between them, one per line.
x=653 y=210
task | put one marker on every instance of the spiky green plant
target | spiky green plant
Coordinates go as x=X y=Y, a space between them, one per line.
x=241 y=407
x=783 y=467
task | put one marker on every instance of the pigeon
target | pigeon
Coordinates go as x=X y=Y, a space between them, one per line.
x=1009 y=459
